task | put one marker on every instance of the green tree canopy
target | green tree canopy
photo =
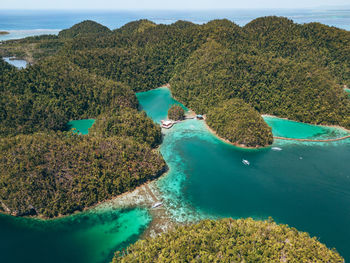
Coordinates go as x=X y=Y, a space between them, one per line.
x=228 y=240
x=84 y=28
x=237 y=122
x=128 y=123
x=176 y=113
x=53 y=174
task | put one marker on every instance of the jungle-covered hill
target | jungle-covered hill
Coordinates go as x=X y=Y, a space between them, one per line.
x=52 y=92
x=228 y=240
x=128 y=123
x=277 y=86
x=55 y=173
x=48 y=171
x=276 y=66
x=86 y=28
x=242 y=124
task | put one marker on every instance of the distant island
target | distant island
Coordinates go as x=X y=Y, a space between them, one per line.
x=4 y=33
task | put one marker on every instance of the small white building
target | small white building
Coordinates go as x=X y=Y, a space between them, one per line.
x=167 y=124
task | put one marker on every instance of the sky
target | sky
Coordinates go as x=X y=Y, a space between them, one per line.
x=166 y=4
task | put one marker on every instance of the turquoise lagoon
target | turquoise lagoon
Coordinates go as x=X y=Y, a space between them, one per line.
x=304 y=185
x=81 y=126
x=157 y=102
x=87 y=237
x=298 y=130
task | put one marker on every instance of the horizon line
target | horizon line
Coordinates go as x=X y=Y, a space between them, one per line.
x=342 y=7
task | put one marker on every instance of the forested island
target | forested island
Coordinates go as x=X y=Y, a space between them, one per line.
x=239 y=123
x=176 y=113
x=52 y=174
x=4 y=33
x=228 y=240
x=230 y=73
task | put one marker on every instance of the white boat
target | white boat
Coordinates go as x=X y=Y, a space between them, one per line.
x=276 y=149
x=246 y=162
x=158 y=204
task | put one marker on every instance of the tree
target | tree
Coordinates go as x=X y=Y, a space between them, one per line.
x=176 y=113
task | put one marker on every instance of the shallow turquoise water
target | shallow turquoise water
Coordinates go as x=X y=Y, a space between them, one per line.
x=347 y=90
x=304 y=185
x=157 y=103
x=81 y=126
x=293 y=129
x=89 y=237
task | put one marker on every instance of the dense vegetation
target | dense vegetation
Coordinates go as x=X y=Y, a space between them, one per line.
x=47 y=172
x=54 y=174
x=277 y=86
x=276 y=66
x=140 y=54
x=176 y=113
x=49 y=94
x=86 y=28
x=237 y=122
x=31 y=49
x=128 y=123
x=228 y=240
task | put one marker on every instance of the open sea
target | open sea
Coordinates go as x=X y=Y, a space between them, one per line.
x=29 y=23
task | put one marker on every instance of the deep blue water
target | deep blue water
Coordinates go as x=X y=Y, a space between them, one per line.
x=22 y=23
